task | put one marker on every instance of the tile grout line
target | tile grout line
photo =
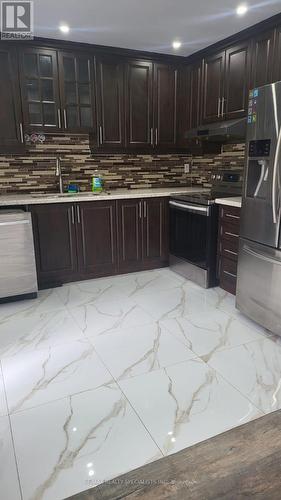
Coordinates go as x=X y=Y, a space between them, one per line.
x=137 y=415
x=236 y=389
x=12 y=435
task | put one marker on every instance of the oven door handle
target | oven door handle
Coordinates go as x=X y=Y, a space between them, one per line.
x=191 y=208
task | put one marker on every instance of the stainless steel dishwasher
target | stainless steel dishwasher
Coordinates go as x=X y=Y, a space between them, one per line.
x=18 y=277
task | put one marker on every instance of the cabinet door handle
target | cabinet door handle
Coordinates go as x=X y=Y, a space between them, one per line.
x=232 y=216
x=144 y=209
x=230 y=274
x=230 y=251
x=78 y=214
x=100 y=130
x=21 y=133
x=65 y=120
x=59 y=118
x=72 y=215
x=156 y=136
x=140 y=210
x=222 y=106
x=151 y=136
x=219 y=106
x=232 y=234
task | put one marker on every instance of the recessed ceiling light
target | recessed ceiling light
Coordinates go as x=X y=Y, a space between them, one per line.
x=176 y=44
x=241 y=9
x=64 y=28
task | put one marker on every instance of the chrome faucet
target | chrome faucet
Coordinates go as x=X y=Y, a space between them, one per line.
x=58 y=173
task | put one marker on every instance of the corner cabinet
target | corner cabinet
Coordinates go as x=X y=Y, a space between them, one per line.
x=213 y=81
x=91 y=239
x=11 y=129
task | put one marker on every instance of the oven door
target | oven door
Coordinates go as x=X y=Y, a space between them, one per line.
x=189 y=232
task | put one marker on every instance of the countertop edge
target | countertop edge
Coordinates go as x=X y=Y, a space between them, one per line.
x=17 y=199
x=231 y=202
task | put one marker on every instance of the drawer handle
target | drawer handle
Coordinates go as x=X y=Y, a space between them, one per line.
x=230 y=274
x=232 y=216
x=232 y=234
x=230 y=251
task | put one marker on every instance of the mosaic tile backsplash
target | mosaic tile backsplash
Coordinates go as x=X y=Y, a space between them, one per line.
x=35 y=172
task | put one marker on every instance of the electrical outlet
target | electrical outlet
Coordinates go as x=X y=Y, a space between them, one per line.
x=186 y=168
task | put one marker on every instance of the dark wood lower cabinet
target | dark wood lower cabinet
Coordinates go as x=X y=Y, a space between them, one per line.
x=229 y=224
x=99 y=238
x=54 y=232
x=155 y=232
x=96 y=223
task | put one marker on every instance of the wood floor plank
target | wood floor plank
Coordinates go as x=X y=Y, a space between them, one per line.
x=244 y=462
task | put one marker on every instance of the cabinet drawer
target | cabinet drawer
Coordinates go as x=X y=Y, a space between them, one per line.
x=228 y=275
x=229 y=248
x=230 y=215
x=229 y=231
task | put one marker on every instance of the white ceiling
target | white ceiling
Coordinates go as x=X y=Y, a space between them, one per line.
x=148 y=24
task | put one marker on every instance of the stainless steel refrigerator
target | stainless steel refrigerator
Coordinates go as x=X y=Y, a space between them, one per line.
x=259 y=264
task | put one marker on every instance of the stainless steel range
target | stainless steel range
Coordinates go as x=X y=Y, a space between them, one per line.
x=194 y=227
x=259 y=264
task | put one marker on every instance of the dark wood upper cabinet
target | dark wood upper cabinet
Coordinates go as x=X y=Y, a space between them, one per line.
x=110 y=99
x=165 y=105
x=129 y=214
x=77 y=96
x=39 y=89
x=195 y=90
x=262 y=59
x=139 y=108
x=11 y=129
x=155 y=232
x=236 y=87
x=96 y=222
x=55 y=242
x=213 y=82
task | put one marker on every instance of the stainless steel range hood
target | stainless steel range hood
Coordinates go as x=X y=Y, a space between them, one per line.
x=220 y=131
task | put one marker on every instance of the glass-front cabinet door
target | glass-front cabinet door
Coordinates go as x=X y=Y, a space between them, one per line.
x=40 y=90
x=76 y=82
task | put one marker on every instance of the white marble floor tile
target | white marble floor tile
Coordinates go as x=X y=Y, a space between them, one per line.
x=135 y=284
x=186 y=403
x=47 y=300
x=27 y=332
x=98 y=437
x=211 y=331
x=50 y=374
x=100 y=317
x=9 y=484
x=3 y=404
x=89 y=291
x=255 y=369
x=132 y=351
x=174 y=303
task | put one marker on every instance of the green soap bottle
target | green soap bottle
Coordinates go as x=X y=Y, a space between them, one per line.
x=97 y=182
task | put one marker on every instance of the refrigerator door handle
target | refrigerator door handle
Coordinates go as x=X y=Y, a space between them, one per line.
x=261 y=256
x=275 y=202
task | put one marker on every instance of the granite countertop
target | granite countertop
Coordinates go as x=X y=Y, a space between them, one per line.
x=231 y=202
x=112 y=194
